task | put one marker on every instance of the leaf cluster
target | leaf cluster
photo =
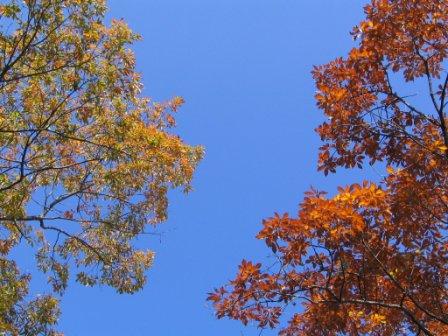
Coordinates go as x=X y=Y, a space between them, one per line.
x=372 y=259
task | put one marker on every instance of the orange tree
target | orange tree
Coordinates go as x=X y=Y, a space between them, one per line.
x=85 y=160
x=372 y=260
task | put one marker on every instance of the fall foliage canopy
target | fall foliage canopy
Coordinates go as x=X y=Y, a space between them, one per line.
x=372 y=259
x=85 y=161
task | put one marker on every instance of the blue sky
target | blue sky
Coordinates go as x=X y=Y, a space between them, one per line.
x=243 y=68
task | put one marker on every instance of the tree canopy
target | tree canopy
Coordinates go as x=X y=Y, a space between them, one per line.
x=86 y=161
x=372 y=259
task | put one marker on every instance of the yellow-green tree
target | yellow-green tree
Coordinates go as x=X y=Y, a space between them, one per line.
x=85 y=160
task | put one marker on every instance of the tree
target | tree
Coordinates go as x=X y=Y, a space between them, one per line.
x=85 y=161
x=373 y=259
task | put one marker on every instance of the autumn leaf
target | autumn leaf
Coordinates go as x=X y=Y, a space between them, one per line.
x=372 y=259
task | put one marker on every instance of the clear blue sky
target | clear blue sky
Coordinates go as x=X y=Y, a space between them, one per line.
x=244 y=69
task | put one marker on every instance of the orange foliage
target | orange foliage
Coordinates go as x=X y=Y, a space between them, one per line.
x=371 y=260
